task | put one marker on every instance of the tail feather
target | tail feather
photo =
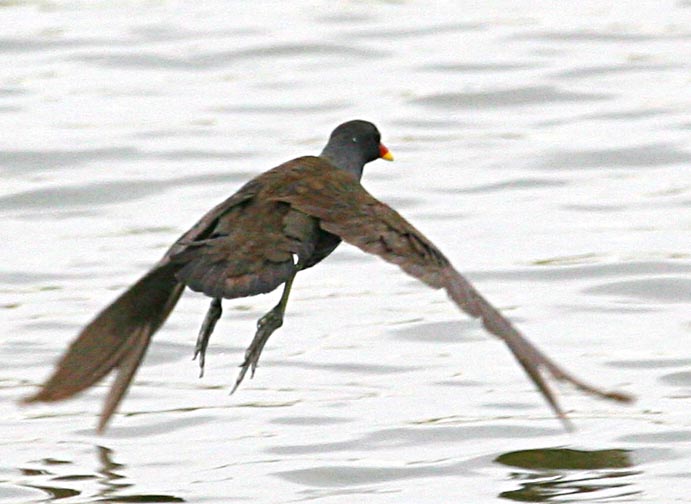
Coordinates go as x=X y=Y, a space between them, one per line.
x=126 y=371
x=116 y=339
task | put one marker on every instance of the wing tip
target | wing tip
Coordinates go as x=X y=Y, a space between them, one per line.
x=621 y=397
x=30 y=399
x=45 y=395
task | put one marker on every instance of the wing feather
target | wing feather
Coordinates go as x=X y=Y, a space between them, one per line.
x=345 y=209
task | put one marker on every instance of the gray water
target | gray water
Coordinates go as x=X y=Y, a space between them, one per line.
x=544 y=146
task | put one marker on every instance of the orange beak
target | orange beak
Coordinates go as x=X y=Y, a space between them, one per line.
x=384 y=153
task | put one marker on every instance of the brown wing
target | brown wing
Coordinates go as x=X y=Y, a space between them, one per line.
x=117 y=338
x=248 y=247
x=344 y=208
x=239 y=259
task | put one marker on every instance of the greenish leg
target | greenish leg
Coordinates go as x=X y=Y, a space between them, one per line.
x=265 y=328
x=212 y=316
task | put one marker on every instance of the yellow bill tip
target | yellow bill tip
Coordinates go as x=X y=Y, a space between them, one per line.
x=385 y=153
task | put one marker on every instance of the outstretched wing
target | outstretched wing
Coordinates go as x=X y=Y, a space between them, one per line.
x=117 y=338
x=345 y=209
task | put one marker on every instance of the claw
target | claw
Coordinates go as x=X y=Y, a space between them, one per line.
x=266 y=325
x=265 y=328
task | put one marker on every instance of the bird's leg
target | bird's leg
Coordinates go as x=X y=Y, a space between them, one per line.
x=265 y=328
x=212 y=316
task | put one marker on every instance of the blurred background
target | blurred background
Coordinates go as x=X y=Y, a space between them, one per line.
x=543 y=146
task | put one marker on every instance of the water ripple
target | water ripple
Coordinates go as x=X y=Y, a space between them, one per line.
x=660 y=289
x=640 y=156
x=505 y=98
x=417 y=436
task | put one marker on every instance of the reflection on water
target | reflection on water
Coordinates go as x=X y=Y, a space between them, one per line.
x=566 y=458
x=109 y=484
x=108 y=475
x=566 y=475
x=53 y=492
x=569 y=488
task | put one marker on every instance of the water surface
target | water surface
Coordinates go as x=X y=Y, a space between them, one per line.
x=544 y=147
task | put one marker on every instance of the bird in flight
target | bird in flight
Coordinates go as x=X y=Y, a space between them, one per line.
x=278 y=224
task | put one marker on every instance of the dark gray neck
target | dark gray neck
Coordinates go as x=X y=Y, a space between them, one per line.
x=348 y=161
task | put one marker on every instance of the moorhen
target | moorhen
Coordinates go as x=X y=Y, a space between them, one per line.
x=279 y=223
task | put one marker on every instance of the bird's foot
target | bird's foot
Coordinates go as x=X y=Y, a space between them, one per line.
x=212 y=316
x=265 y=328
